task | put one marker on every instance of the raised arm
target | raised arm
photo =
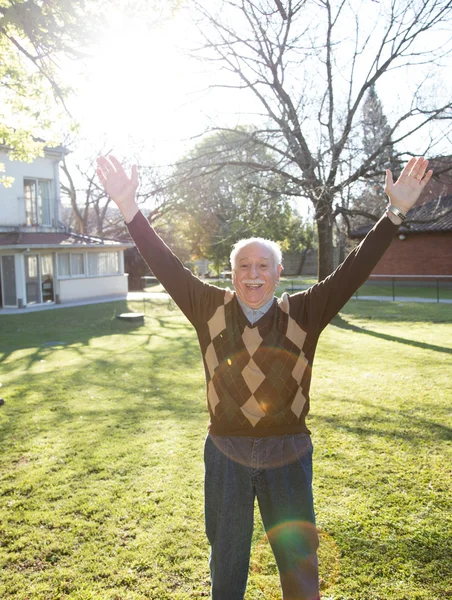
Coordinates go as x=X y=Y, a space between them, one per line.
x=194 y=297
x=325 y=299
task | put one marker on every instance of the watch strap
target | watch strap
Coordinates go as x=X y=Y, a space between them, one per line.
x=395 y=211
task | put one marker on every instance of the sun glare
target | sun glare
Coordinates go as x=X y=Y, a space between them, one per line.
x=140 y=84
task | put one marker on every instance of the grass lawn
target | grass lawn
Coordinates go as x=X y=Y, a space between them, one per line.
x=101 y=474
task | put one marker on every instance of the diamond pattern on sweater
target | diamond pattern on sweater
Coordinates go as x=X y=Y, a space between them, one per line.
x=295 y=333
x=253 y=376
x=251 y=384
x=299 y=368
x=212 y=396
x=217 y=323
x=211 y=359
x=253 y=411
x=228 y=296
x=252 y=339
x=283 y=303
x=298 y=403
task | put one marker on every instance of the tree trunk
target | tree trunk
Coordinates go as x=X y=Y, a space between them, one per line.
x=302 y=261
x=80 y=226
x=325 y=236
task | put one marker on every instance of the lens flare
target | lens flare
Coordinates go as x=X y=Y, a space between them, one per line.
x=300 y=536
x=279 y=450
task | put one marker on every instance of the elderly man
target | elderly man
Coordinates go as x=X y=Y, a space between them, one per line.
x=258 y=353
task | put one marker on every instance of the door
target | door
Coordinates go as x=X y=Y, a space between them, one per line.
x=32 y=279
x=8 y=281
x=47 y=287
x=39 y=280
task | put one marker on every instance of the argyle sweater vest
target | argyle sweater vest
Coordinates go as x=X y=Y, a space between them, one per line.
x=258 y=376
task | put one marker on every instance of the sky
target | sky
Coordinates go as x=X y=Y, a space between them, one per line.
x=141 y=93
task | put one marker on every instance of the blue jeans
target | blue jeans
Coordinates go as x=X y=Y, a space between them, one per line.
x=278 y=470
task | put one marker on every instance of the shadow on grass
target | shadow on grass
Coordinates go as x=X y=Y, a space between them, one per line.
x=75 y=327
x=385 y=422
x=342 y=323
x=126 y=397
x=134 y=381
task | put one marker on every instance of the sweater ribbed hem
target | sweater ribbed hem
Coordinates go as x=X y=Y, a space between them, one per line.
x=217 y=429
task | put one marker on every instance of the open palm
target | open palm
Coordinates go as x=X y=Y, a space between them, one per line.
x=408 y=187
x=119 y=186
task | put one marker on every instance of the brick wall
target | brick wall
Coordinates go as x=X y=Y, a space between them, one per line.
x=418 y=254
x=440 y=185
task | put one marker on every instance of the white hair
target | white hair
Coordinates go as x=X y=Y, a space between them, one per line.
x=269 y=244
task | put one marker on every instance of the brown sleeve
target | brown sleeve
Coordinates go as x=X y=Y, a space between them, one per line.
x=192 y=295
x=324 y=300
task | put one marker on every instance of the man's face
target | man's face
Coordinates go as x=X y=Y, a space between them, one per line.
x=255 y=275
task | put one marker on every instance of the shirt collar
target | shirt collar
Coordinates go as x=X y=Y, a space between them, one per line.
x=254 y=314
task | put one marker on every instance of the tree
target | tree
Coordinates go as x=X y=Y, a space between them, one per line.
x=35 y=37
x=312 y=80
x=38 y=39
x=300 y=238
x=92 y=212
x=369 y=198
x=216 y=205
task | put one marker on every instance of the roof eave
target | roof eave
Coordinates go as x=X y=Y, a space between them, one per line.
x=66 y=246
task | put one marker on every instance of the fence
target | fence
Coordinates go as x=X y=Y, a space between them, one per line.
x=422 y=286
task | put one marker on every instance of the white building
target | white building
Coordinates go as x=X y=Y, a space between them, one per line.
x=41 y=261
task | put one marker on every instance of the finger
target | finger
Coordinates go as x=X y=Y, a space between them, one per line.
x=115 y=162
x=134 y=177
x=101 y=176
x=427 y=178
x=104 y=164
x=389 y=181
x=419 y=168
x=407 y=169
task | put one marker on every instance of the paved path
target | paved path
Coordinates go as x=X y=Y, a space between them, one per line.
x=402 y=299
x=140 y=296
x=132 y=296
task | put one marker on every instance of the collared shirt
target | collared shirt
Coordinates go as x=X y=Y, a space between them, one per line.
x=254 y=314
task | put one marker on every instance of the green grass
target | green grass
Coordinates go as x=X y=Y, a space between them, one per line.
x=101 y=470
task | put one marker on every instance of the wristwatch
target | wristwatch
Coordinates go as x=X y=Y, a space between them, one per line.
x=395 y=211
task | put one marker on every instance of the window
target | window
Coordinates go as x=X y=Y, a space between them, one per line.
x=103 y=263
x=77 y=264
x=72 y=264
x=64 y=265
x=37 y=202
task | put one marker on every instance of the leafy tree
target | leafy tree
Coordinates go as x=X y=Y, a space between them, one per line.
x=35 y=37
x=38 y=39
x=217 y=204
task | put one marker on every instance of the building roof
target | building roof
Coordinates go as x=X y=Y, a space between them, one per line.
x=432 y=216
x=17 y=240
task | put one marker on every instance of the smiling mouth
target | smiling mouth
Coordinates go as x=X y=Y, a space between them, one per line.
x=254 y=286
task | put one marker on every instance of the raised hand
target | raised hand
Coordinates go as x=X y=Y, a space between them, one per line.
x=119 y=186
x=406 y=190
